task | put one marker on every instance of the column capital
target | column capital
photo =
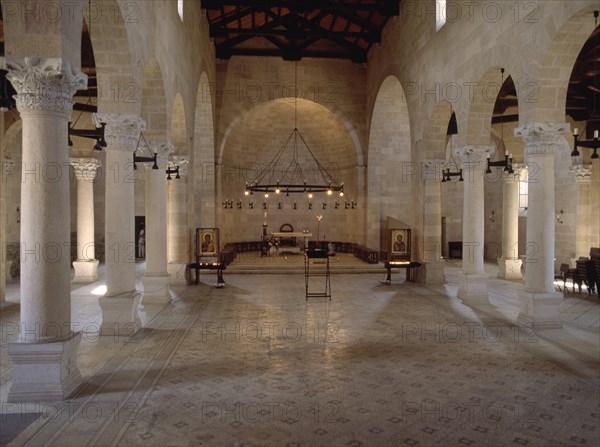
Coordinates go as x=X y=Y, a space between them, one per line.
x=45 y=84
x=542 y=138
x=122 y=129
x=85 y=168
x=471 y=156
x=583 y=173
x=432 y=168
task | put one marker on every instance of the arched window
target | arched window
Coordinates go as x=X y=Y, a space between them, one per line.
x=523 y=192
x=440 y=14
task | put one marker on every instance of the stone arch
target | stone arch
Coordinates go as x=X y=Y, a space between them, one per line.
x=255 y=141
x=479 y=116
x=555 y=71
x=389 y=174
x=177 y=232
x=179 y=126
x=154 y=110
x=436 y=137
x=118 y=89
x=203 y=187
x=350 y=128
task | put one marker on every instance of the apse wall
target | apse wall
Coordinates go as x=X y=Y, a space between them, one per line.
x=254 y=142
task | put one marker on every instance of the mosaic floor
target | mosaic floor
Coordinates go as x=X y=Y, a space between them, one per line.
x=255 y=364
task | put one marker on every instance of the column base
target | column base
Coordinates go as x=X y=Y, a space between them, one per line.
x=509 y=268
x=156 y=289
x=540 y=309
x=119 y=314
x=85 y=271
x=473 y=289
x=44 y=371
x=432 y=273
x=177 y=273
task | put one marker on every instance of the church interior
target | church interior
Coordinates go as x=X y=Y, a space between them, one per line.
x=300 y=223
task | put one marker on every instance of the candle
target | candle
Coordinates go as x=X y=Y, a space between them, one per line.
x=595 y=135
x=506 y=152
x=576 y=131
x=510 y=155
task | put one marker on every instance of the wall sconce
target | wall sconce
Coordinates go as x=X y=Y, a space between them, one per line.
x=588 y=144
x=18 y=215
x=310 y=205
x=559 y=216
x=295 y=205
x=324 y=205
x=492 y=216
x=337 y=205
x=251 y=205
x=170 y=171
x=264 y=205
x=239 y=204
x=279 y=206
x=351 y=204
x=228 y=204
x=144 y=159
x=93 y=134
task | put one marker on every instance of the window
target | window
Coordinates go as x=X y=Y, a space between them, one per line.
x=180 y=9
x=523 y=192
x=440 y=14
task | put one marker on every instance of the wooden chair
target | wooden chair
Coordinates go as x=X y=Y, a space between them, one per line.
x=585 y=275
x=595 y=257
x=565 y=273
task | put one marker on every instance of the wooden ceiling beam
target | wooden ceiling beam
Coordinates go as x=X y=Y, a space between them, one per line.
x=385 y=7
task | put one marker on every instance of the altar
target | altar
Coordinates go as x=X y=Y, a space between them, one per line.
x=289 y=241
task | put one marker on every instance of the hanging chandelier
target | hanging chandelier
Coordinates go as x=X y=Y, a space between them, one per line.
x=290 y=178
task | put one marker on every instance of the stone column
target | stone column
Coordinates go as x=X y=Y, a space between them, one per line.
x=509 y=264
x=156 y=278
x=86 y=265
x=473 y=280
x=44 y=358
x=583 y=229
x=119 y=304
x=432 y=222
x=177 y=229
x=539 y=302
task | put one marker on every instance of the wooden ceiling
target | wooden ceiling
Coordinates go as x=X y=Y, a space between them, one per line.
x=293 y=29
x=335 y=28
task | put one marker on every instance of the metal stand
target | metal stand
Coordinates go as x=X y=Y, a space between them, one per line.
x=317 y=254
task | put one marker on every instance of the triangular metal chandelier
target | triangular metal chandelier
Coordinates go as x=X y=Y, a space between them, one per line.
x=291 y=178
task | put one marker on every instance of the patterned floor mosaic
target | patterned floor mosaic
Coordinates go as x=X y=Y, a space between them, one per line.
x=255 y=364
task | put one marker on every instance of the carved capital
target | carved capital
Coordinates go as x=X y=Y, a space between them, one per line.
x=432 y=169
x=583 y=173
x=44 y=84
x=85 y=168
x=122 y=129
x=473 y=156
x=542 y=138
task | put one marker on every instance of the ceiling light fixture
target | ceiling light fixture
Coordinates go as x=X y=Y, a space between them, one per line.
x=287 y=178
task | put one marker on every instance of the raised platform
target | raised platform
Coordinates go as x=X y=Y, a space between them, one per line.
x=285 y=263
